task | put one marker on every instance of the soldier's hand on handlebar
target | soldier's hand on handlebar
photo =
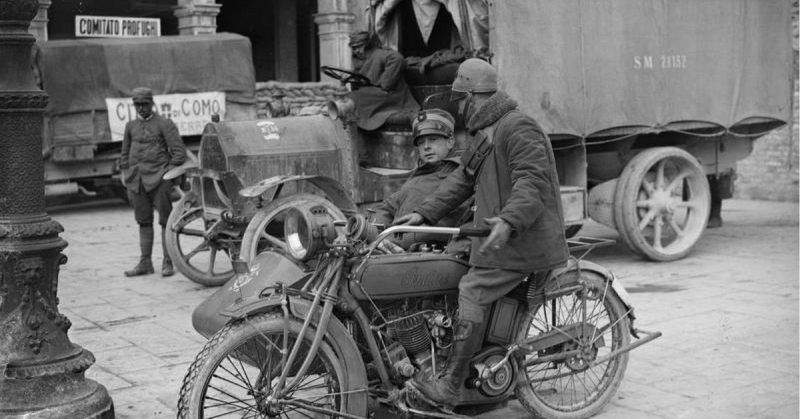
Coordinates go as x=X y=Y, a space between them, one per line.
x=501 y=231
x=412 y=219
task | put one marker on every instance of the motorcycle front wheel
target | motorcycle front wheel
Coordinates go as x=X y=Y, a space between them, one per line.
x=236 y=373
x=574 y=387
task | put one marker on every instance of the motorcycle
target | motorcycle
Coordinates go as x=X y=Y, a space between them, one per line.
x=332 y=326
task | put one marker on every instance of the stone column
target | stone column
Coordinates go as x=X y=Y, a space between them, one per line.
x=38 y=26
x=196 y=17
x=41 y=371
x=334 y=24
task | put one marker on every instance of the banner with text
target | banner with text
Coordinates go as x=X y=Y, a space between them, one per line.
x=116 y=27
x=189 y=111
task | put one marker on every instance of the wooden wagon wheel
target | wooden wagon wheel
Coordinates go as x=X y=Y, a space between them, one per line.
x=202 y=260
x=661 y=203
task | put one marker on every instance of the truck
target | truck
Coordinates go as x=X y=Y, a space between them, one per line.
x=89 y=84
x=642 y=101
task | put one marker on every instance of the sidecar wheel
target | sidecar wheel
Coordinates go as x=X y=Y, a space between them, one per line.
x=265 y=229
x=571 y=388
x=201 y=260
x=236 y=372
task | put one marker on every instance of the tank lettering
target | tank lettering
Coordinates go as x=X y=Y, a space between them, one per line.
x=416 y=280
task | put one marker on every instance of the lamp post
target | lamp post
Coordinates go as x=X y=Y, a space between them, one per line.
x=41 y=371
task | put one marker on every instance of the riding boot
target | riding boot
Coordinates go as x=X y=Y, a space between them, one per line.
x=444 y=388
x=166 y=265
x=145 y=265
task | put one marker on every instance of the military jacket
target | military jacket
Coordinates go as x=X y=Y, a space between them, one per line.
x=150 y=148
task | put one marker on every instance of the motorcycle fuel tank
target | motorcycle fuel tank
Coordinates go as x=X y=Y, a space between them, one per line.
x=407 y=275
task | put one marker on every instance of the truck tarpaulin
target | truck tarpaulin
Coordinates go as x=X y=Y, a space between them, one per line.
x=79 y=75
x=584 y=67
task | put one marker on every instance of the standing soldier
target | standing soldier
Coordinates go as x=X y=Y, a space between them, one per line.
x=511 y=169
x=151 y=145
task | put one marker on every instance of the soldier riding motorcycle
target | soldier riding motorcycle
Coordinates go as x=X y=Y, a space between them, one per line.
x=351 y=330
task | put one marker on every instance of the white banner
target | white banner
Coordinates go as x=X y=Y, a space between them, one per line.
x=189 y=111
x=116 y=27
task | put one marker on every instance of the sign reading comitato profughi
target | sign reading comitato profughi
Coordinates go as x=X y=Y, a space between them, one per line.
x=116 y=27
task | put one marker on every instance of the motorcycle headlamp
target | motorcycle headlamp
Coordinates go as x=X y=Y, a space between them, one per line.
x=307 y=231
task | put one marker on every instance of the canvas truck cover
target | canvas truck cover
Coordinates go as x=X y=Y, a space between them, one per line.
x=78 y=75
x=583 y=67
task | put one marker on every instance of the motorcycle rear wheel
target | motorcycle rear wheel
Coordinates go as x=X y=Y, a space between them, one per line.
x=572 y=388
x=235 y=373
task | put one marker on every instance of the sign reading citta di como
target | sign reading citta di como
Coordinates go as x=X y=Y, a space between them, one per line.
x=116 y=27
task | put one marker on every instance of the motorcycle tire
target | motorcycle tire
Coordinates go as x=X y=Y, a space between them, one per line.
x=236 y=370
x=572 y=388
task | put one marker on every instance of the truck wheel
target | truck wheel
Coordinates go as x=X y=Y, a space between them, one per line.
x=661 y=203
x=204 y=261
x=265 y=229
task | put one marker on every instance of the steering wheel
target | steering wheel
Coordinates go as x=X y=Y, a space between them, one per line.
x=346 y=76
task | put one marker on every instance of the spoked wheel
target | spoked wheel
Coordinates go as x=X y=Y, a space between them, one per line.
x=661 y=203
x=265 y=230
x=573 y=387
x=204 y=261
x=237 y=374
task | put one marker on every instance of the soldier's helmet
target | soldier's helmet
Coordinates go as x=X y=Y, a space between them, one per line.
x=142 y=95
x=475 y=76
x=433 y=122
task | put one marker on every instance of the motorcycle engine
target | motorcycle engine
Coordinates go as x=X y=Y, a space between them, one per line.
x=420 y=335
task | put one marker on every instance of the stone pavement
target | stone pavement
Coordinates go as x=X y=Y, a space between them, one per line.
x=729 y=314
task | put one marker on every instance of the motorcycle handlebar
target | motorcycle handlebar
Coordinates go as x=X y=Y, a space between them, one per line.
x=464 y=231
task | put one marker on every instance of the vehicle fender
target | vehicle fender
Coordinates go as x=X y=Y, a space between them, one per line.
x=336 y=334
x=334 y=190
x=616 y=285
x=179 y=171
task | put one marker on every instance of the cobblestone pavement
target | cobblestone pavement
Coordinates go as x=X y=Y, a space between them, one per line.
x=729 y=314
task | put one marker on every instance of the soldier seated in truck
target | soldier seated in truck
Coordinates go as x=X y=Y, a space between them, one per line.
x=387 y=95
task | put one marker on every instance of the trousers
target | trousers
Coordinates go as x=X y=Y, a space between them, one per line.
x=480 y=287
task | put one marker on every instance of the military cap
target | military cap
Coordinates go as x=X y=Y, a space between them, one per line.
x=142 y=95
x=359 y=38
x=433 y=122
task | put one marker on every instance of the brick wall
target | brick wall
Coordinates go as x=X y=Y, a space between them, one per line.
x=771 y=171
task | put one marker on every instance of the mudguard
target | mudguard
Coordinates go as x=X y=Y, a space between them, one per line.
x=266 y=270
x=336 y=335
x=332 y=188
x=616 y=284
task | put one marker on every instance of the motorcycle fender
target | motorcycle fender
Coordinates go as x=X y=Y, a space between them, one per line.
x=616 y=284
x=336 y=334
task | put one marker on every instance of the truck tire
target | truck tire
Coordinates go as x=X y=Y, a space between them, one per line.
x=661 y=203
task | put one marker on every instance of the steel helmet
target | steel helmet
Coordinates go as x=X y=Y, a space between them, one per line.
x=475 y=76
x=433 y=122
